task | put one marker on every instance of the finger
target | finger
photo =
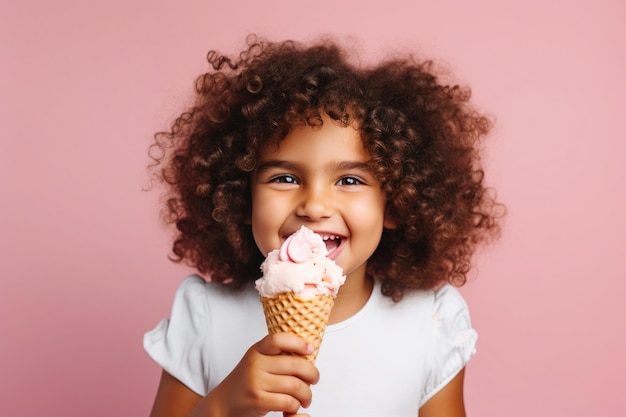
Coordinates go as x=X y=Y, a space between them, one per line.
x=282 y=402
x=277 y=343
x=292 y=386
x=290 y=365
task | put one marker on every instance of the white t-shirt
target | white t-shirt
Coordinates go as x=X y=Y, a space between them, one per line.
x=386 y=360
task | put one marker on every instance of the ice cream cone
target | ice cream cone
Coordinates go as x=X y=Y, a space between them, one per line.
x=299 y=286
x=305 y=318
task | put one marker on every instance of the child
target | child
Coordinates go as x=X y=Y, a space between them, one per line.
x=383 y=160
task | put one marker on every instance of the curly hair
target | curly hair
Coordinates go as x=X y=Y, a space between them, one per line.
x=422 y=136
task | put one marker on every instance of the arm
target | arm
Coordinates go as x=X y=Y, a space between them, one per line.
x=448 y=402
x=173 y=398
x=263 y=381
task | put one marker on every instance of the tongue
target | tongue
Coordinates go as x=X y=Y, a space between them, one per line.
x=331 y=244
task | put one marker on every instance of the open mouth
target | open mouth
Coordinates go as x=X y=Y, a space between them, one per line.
x=332 y=242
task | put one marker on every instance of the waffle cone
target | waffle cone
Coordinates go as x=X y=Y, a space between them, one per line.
x=304 y=318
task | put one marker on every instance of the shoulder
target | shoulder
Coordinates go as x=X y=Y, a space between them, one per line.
x=195 y=286
x=193 y=297
x=451 y=314
x=195 y=290
x=446 y=295
x=454 y=339
x=190 y=345
x=437 y=323
x=448 y=300
x=440 y=303
x=200 y=306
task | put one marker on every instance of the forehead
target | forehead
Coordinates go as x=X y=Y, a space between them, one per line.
x=317 y=143
x=315 y=118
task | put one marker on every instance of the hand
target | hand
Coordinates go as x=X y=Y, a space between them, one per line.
x=266 y=380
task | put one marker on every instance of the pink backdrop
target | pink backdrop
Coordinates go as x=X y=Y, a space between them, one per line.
x=83 y=268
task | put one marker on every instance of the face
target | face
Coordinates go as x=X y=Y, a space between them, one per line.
x=319 y=178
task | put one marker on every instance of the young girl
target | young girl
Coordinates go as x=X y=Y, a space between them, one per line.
x=383 y=162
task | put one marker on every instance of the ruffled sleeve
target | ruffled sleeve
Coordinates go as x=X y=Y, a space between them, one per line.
x=176 y=343
x=454 y=340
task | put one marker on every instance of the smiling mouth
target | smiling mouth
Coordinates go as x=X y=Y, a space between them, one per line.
x=332 y=242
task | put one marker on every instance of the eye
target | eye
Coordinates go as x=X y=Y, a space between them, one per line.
x=350 y=181
x=284 y=179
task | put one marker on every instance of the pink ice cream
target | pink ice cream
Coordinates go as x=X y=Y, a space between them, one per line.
x=300 y=266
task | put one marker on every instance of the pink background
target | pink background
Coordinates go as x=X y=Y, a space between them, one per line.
x=83 y=268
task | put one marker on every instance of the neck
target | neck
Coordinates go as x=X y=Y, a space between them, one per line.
x=352 y=296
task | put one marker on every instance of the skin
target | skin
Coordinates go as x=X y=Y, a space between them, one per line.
x=317 y=178
x=264 y=380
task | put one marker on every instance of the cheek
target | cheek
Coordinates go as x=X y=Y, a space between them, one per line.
x=265 y=208
x=265 y=220
x=261 y=234
x=370 y=210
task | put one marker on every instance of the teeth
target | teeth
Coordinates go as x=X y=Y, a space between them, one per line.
x=329 y=237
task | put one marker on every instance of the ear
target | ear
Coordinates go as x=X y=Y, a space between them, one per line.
x=389 y=221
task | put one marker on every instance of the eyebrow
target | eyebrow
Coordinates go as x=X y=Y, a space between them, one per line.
x=275 y=163
x=340 y=166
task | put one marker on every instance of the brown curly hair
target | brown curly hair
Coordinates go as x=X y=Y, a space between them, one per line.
x=422 y=137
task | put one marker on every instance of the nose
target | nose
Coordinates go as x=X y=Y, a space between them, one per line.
x=316 y=203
